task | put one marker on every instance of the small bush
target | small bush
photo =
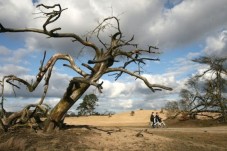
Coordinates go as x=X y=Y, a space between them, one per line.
x=132 y=113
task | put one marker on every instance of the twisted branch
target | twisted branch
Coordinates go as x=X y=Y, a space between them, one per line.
x=48 y=67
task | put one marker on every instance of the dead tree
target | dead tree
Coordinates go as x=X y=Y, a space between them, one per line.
x=105 y=57
x=206 y=95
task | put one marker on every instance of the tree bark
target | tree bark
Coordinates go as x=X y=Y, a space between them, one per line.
x=63 y=106
x=74 y=91
x=219 y=96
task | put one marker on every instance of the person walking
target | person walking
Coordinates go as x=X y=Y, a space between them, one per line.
x=152 y=119
x=157 y=118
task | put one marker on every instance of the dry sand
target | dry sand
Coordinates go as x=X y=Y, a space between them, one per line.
x=120 y=132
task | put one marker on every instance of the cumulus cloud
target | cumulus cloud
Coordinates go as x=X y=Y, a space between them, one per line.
x=16 y=14
x=132 y=94
x=217 y=45
x=150 y=21
x=188 y=22
x=9 y=69
x=13 y=104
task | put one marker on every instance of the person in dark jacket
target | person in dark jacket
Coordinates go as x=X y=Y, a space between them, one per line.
x=157 y=118
x=152 y=119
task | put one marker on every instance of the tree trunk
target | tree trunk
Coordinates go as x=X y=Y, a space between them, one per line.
x=63 y=106
x=74 y=91
x=220 y=99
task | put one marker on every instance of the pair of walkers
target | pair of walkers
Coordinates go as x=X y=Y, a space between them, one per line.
x=155 y=119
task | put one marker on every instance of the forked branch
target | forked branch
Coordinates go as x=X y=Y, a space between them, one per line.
x=52 y=16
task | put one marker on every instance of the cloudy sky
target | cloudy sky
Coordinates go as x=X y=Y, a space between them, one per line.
x=182 y=29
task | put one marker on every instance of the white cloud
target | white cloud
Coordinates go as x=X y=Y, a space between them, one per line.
x=118 y=89
x=217 y=45
x=189 y=21
x=126 y=104
x=9 y=69
x=149 y=20
x=132 y=94
x=18 y=103
x=81 y=17
x=12 y=11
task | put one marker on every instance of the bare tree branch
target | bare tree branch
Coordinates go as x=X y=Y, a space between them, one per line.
x=149 y=85
x=54 y=35
x=49 y=66
x=52 y=17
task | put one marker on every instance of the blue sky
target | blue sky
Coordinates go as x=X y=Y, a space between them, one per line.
x=182 y=29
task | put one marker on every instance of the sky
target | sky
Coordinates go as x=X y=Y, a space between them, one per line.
x=181 y=29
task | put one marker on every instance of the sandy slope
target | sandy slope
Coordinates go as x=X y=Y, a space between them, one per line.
x=140 y=118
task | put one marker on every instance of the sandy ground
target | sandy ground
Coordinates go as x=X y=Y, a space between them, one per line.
x=140 y=118
x=121 y=132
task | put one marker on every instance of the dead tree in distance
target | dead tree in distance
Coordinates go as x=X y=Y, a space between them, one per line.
x=105 y=57
x=205 y=92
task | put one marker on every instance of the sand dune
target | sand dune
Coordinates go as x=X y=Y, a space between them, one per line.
x=140 y=118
